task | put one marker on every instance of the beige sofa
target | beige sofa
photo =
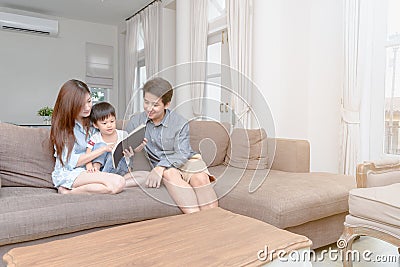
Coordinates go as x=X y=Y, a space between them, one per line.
x=292 y=198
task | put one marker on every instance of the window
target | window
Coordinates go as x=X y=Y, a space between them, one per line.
x=140 y=80
x=392 y=80
x=140 y=70
x=99 y=94
x=217 y=54
x=99 y=71
x=216 y=9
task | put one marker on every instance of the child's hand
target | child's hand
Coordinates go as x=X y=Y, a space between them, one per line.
x=140 y=147
x=108 y=147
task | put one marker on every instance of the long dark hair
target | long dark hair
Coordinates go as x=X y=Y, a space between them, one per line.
x=69 y=103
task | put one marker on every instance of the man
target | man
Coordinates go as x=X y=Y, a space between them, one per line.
x=184 y=173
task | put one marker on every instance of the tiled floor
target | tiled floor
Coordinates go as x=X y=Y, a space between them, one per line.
x=377 y=250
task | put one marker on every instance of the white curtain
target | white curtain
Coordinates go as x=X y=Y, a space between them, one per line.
x=198 y=52
x=240 y=28
x=151 y=28
x=131 y=59
x=357 y=79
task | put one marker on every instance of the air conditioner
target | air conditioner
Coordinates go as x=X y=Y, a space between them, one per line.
x=28 y=24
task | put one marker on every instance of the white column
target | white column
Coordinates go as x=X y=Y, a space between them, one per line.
x=182 y=93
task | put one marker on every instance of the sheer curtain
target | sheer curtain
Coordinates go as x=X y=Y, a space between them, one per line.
x=131 y=59
x=151 y=28
x=198 y=52
x=358 y=52
x=240 y=28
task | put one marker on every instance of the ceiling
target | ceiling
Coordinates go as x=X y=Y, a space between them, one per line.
x=111 y=12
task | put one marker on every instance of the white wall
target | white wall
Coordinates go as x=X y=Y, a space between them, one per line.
x=33 y=68
x=297 y=48
x=325 y=83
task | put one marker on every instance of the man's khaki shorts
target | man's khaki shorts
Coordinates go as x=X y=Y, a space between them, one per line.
x=194 y=165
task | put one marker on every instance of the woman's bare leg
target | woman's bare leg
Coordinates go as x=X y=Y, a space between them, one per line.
x=180 y=191
x=96 y=183
x=136 y=178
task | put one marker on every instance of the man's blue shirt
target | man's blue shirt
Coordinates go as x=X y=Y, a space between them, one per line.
x=168 y=143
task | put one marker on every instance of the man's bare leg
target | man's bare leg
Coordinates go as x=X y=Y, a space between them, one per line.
x=180 y=191
x=206 y=196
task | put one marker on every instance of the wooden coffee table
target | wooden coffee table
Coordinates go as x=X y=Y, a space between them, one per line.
x=209 y=238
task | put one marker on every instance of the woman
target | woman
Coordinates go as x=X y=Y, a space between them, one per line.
x=70 y=131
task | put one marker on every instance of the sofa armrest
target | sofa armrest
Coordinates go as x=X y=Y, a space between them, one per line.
x=291 y=155
x=378 y=173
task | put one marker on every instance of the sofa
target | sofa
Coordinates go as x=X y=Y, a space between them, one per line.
x=257 y=176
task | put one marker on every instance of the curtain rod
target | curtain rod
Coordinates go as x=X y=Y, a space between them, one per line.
x=152 y=2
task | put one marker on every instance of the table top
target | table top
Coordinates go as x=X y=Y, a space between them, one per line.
x=213 y=237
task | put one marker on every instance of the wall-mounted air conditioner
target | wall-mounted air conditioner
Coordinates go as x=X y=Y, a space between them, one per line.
x=28 y=24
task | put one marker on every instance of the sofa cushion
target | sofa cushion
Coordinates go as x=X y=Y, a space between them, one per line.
x=210 y=138
x=284 y=199
x=26 y=156
x=28 y=213
x=247 y=149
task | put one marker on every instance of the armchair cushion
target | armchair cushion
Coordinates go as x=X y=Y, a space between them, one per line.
x=379 y=204
x=383 y=179
x=378 y=173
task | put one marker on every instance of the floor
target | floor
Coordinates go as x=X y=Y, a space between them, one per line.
x=379 y=252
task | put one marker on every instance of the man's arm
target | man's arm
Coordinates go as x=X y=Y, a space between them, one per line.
x=134 y=122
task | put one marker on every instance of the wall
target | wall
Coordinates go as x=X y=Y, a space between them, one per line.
x=297 y=48
x=33 y=68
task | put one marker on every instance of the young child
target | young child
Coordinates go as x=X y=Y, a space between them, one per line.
x=103 y=118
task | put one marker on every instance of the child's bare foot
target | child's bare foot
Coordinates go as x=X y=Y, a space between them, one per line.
x=63 y=190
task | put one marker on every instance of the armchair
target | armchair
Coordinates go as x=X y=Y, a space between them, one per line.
x=374 y=206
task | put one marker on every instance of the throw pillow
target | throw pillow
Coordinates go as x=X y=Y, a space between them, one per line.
x=247 y=149
x=26 y=156
x=211 y=139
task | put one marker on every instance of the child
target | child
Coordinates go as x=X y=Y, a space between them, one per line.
x=103 y=119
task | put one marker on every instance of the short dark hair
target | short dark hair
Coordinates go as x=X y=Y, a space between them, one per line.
x=160 y=88
x=101 y=111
